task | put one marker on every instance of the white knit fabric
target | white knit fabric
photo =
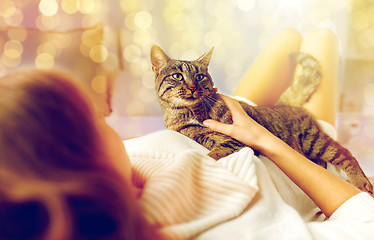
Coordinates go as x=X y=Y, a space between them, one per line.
x=189 y=195
x=190 y=192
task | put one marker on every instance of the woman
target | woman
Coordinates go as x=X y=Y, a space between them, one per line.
x=63 y=172
x=323 y=45
x=270 y=206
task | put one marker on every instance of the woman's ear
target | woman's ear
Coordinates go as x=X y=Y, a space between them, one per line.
x=159 y=58
x=205 y=58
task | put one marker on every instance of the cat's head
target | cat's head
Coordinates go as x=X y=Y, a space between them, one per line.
x=180 y=82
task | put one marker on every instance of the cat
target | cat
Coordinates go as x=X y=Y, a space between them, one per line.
x=186 y=93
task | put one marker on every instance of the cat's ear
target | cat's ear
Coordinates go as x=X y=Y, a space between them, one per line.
x=205 y=59
x=159 y=58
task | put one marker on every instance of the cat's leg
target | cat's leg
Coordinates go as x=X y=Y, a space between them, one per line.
x=220 y=145
x=318 y=146
x=344 y=159
x=323 y=45
x=225 y=148
x=272 y=71
x=305 y=84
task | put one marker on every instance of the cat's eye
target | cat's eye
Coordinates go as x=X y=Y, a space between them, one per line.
x=177 y=76
x=200 y=77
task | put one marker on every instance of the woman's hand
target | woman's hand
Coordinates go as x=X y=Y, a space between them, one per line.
x=243 y=129
x=314 y=180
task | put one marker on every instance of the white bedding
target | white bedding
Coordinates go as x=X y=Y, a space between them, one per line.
x=239 y=197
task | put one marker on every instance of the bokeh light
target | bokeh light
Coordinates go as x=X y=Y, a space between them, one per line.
x=44 y=61
x=15 y=18
x=99 y=84
x=7 y=8
x=238 y=29
x=143 y=19
x=69 y=6
x=246 y=5
x=48 y=7
x=98 y=53
x=128 y=6
x=132 y=53
x=12 y=53
x=10 y=62
x=48 y=48
x=13 y=49
x=87 y=6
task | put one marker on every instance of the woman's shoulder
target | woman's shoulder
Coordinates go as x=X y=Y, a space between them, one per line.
x=165 y=141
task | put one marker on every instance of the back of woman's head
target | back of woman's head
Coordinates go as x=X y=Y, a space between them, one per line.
x=54 y=180
x=43 y=109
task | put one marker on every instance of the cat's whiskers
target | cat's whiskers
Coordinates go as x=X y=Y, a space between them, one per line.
x=173 y=108
x=208 y=103
x=210 y=98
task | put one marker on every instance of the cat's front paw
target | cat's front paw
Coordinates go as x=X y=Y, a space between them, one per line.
x=362 y=183
x=219 y=153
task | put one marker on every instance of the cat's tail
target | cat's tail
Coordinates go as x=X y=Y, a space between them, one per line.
x=305 y=83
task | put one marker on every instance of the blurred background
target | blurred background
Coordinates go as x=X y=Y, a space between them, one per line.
x=106 y=44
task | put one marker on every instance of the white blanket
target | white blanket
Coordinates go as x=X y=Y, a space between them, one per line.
x=189 y=195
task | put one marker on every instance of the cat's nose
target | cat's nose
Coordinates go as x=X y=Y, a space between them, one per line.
x=193 y=88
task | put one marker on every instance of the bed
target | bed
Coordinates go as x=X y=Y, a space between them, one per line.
x=248 y=196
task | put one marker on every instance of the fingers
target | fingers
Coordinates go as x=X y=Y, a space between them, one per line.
x=218 y=126
x=231 y=103
x=237 y=112
x=238 y=116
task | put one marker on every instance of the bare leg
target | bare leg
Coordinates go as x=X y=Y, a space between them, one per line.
x=323 y=45
x=273 y=70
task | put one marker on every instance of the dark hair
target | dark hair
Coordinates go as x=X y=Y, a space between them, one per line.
x=55 y=182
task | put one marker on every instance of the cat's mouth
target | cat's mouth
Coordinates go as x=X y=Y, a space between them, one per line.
x=192 y=100
x=193 y=95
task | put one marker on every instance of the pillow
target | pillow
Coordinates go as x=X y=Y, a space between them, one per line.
x=78 y=52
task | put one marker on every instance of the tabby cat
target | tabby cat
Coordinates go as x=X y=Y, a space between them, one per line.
x=186 y=93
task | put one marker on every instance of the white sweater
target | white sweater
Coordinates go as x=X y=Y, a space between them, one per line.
x=190 y=195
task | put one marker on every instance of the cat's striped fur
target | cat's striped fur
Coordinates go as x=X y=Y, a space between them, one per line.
x=186 y=93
